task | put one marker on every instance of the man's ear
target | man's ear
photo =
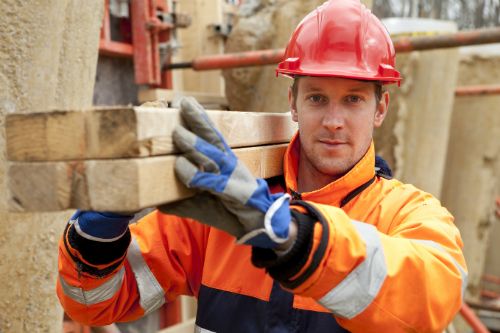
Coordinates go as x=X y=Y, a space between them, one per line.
x=382 y=107
x=293 y=105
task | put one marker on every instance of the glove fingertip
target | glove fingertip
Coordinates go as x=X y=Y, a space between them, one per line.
x=182 y=137
x=185 y=170
x=188 y=102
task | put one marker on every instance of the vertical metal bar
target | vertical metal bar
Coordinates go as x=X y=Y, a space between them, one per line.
x=142 y=44
x=105 y=28
x=155 y=45
x=166 y=75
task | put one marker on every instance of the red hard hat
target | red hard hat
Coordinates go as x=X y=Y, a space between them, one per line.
x=341 y=38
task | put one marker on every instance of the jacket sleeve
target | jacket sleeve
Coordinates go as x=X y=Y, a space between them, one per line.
x=160 y=258
x=406 y=274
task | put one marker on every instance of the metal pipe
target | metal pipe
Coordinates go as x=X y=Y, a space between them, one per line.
x=477 y=90
x=115 y=49
x=471 y=319
x=243 y=59
x=401 y=44
x=461 y=38
x=489 y=277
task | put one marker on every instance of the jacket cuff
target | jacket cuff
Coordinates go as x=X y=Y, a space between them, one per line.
x=93 y=257
x=283 y=267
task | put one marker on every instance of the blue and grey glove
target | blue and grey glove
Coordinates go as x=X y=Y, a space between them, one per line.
x=238 y=203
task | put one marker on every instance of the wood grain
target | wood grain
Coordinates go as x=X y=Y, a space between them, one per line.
x=117 y=185
x=125 y=132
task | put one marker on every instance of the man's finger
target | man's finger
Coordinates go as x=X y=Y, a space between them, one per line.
x=197 y=121
x=203 y=163
x=188 y=142
x=185 y=170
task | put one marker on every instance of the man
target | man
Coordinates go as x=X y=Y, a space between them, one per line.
x=354 y=251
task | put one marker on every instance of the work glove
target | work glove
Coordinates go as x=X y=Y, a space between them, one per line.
x=100 y=226
x=231 y=198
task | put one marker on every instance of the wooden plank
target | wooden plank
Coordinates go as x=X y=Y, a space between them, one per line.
x=148 y=95
x=115 y=185
x=119 y=132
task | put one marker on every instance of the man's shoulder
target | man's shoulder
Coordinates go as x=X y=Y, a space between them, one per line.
x=396 y=190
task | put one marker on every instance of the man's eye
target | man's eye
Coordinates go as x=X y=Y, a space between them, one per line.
x=353 y=99
x=317 y=99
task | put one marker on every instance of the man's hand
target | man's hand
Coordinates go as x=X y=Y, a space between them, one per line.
x=232 y=199
x=100 y=226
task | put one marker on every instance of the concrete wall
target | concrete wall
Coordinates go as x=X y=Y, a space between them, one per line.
x=472 y=177
x=268 y=25
x=48 y=57
x=414 y=136
x=197 y=40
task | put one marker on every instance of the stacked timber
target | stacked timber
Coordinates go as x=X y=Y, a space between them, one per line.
x=122 y=158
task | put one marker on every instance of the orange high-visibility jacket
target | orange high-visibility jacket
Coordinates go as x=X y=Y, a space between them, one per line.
x=388 y=260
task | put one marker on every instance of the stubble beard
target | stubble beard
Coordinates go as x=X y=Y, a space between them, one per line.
x=329 y=166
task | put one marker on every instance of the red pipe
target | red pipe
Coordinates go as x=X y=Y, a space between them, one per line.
x=478 y=90
x=403 y=44
x=242 y=59
x=489 y=277
x=461 y=38
x=490 y=294
x=115 y=49
x=473 y=321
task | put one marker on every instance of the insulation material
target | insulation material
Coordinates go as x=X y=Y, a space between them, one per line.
x=472 y=178
x=48 y=57
x=414 y=136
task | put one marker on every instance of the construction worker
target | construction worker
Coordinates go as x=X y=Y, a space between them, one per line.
x=335 y=245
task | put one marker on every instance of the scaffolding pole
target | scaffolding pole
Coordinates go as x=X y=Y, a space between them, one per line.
x=401 y=45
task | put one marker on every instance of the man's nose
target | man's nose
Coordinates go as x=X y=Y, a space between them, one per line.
x=334 y=117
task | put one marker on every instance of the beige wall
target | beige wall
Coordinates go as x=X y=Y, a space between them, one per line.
x=258 y=88
x=48 y=56
x=414 y=136
x=472 y=177
x=199 y=39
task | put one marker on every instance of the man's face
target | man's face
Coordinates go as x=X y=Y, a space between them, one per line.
x=336 y=119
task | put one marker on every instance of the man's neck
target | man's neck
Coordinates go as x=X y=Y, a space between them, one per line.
x=310 y=179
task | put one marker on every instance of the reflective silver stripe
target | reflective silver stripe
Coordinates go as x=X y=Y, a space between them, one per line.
x=151 y=293
x=198 y=329
x=100 y=294
x=358 y=289
x=463 y=273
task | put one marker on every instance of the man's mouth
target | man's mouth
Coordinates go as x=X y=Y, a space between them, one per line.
x=332 y=142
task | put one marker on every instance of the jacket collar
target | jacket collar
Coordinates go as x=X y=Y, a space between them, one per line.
x=333 y=193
